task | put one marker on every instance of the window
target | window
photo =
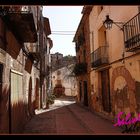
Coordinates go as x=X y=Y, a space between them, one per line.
x=2 y=35
x=84 y=55
x=102 y=36
x=16 y=87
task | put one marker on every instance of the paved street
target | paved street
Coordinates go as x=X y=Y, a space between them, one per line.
x=67 y=117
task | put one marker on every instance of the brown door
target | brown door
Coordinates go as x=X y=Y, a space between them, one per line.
x=105 y=89
x=80 y=91
x=85 y=93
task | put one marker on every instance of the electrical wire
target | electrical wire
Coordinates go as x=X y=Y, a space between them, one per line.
x=60 y=34
x=62 y=31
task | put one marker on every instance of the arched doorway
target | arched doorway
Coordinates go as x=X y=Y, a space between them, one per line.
x=123 y=91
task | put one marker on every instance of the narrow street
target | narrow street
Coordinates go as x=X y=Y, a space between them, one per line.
x=67 y=117
x=51 y=54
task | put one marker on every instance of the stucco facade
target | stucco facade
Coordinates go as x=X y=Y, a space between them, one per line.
x=115 y=70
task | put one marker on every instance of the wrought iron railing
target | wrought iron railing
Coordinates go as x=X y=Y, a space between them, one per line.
x=99 y=56
x=4 y=10
x=80 y=68
x=132 y=33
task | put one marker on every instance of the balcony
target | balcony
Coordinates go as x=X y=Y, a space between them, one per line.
x=33 y=51
x=100 y=57
x=132 y=34
x=20 y=21
x=80 y=68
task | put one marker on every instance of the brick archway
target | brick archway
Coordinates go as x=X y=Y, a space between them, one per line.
x=130 y=83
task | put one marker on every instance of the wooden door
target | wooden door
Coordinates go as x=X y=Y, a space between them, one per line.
x=80 y=91
x=85 y=94
x=105 y=90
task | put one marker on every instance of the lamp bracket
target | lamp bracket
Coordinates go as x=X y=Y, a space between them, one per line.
x=119 y=24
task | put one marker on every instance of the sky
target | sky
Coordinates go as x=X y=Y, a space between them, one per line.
x=63 y=19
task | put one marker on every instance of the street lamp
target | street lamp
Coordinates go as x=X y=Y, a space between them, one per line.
x=108 y=23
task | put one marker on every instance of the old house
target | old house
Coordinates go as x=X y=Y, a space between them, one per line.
x=63 y=78
x=45 y=60
x=82 y=67
x=17 y=69
x=114 y=45
x=20 y=84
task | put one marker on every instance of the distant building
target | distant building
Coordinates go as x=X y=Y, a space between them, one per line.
x=56 y=60
x=62 y=77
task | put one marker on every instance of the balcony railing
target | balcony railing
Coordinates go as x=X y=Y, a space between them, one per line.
x=132 y=34
x=80 y=68
x=100 y=56
x=33 y=50
x=20 y=21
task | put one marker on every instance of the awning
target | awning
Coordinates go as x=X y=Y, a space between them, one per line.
x=22 y=25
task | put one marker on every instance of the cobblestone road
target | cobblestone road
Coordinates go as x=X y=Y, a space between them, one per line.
x=66 y=117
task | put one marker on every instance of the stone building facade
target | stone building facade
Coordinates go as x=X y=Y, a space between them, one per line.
x=82 y=67
x=45 y=46
x=19 y=66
